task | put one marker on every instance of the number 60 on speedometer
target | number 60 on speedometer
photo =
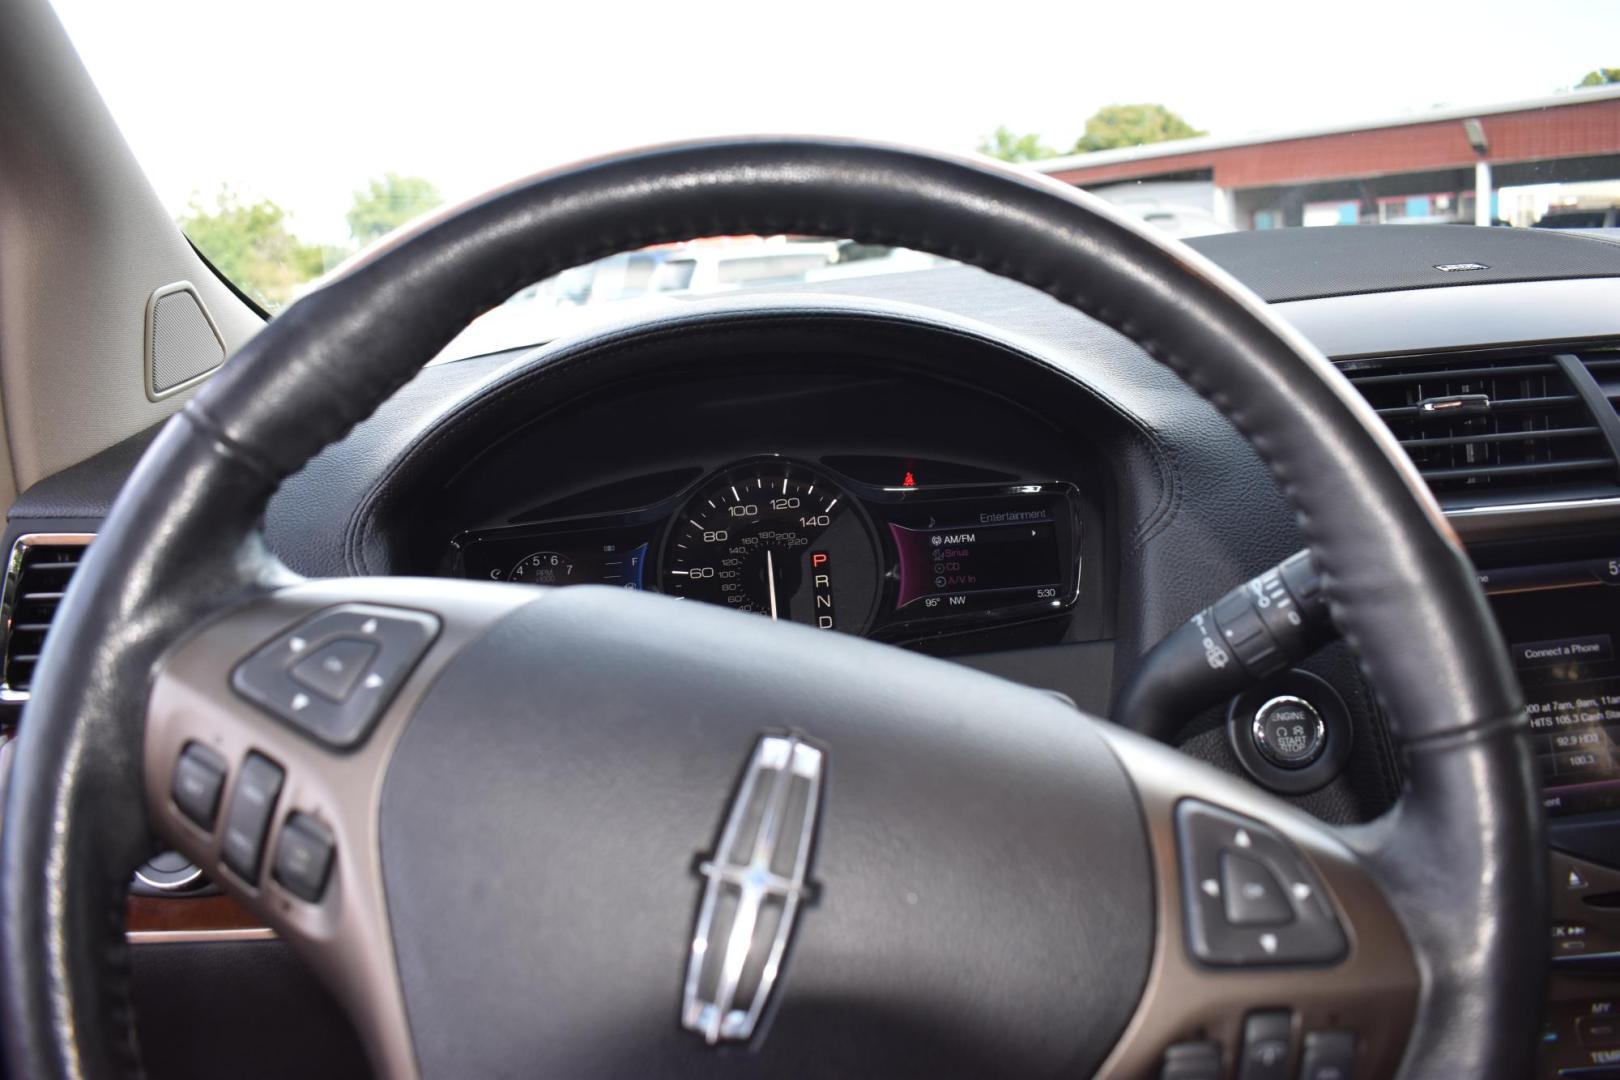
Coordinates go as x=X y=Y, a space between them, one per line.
x=777 y=538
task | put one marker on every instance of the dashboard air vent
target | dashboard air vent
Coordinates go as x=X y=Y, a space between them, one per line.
x=1516 y=426
x=1605 y=370
x=36 y=577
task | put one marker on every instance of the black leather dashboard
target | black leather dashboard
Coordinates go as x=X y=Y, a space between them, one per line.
x=1302 y=264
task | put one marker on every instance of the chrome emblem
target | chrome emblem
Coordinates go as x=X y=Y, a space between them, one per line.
x=753 y=884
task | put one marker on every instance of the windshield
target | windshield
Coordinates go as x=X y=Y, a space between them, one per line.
x=285 y=139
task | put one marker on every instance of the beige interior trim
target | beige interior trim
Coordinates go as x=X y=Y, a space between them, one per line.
x=87 y=240
x=8 y=476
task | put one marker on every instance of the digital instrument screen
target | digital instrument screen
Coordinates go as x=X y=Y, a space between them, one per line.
x=595 y=557
x=793 y=542
x=970 y=566
x=1005 y=550
x=1562 y=623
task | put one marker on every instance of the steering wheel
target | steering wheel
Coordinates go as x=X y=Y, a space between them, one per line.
x=583 y=831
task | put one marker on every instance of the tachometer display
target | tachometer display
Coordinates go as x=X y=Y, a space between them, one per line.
x=776 y=538
x=543 y=568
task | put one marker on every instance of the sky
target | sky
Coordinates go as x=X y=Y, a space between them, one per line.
x=302 y=102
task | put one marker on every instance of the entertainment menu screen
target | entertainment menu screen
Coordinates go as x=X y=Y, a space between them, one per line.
x=980 y=565
x=1561 y=623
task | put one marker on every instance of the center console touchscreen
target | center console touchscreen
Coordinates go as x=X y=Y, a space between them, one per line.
x=1562 y=624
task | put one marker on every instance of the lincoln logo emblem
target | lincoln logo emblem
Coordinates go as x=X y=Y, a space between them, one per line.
x=753 y=884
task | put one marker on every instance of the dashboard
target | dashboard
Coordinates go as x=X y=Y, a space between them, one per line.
x=961 y=466
x=889 y=480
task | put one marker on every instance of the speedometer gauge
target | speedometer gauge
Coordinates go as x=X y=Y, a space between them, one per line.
x=776 y=538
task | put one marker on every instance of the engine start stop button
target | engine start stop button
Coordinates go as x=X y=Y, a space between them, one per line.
x=1289 y=731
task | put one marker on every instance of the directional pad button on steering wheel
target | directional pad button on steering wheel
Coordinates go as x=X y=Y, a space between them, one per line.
x=333 y=674
x=1251 y=899
x=333 y=669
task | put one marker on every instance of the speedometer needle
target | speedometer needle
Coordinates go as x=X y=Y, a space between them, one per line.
x=770 y=580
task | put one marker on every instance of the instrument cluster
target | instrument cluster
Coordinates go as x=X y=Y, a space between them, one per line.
x=785 y=539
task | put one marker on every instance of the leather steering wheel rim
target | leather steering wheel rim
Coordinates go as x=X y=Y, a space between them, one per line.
x=1460 y=857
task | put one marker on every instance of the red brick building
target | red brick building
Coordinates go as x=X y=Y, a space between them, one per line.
x=1424 y=167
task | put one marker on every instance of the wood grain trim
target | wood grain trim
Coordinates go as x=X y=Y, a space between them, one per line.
x=170 y=914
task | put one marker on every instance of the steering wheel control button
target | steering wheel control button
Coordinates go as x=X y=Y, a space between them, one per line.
x=1329 y=1055
x=1251 y=893
x=335 y=668
x=1191 y=1061
x=252 y=804
x=1289 y=732
x=1250 y=898
x=1265 y=1046
x=304 y=857
x=199 y=777
x=333 y=674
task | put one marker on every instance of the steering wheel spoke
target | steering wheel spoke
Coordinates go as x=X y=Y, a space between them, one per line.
x=267 y=740
x=1265 y=917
